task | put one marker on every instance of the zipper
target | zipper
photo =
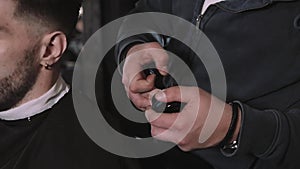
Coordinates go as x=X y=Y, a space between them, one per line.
x=198 y=20
x=201 y=15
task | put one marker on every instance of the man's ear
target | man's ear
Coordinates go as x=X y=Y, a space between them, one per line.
x=54 y=45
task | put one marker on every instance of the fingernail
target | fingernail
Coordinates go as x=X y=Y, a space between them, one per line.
x=160 y=96
x=164 y=68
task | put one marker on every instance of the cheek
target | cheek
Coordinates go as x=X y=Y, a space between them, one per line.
x=8 y=61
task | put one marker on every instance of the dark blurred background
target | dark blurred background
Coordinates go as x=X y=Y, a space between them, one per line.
x=93 y=15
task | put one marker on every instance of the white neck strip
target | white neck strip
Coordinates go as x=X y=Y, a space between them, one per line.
x=39 y=105
x=207 y=3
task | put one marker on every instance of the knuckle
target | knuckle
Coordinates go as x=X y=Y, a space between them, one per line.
x=132 y=87
x=137 y=103
x=124 y=80
x=140 y=103
x=162 y=56
x=183 y=143
x=185 y=148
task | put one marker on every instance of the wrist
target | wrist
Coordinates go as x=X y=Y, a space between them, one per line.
x=230 y=139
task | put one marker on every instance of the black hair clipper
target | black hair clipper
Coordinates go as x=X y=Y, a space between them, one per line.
x=163 y=82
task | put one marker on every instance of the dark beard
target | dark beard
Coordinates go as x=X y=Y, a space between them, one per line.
x=14 y=87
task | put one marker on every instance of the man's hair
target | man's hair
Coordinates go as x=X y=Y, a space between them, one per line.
x=60 y=15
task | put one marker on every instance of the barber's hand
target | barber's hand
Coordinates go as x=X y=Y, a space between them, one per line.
x=138 y=86
x=184 y=128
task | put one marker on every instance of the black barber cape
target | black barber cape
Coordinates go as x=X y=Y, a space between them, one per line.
x=53 y=139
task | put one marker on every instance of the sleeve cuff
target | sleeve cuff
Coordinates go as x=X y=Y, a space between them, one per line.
x=258 y=133
x=123 y=47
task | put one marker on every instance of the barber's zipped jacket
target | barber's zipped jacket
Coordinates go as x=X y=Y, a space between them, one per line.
x=258 y=43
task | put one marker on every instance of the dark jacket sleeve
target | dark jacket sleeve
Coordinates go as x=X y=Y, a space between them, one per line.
x=271 y=135
x=268 y=137
x=126 y=43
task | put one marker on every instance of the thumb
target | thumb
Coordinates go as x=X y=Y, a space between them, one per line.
x=177 y=94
